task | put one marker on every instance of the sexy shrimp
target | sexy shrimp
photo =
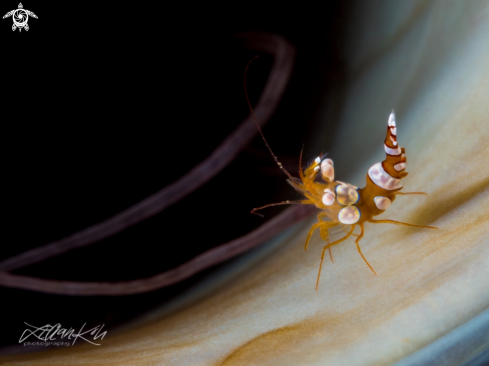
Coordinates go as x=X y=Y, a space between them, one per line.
x=343 y=204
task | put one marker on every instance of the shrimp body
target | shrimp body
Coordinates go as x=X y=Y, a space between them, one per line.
x=344 y=204
x=347 y=205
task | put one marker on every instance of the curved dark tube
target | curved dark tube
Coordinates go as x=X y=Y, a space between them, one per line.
x=283 y=54
x=205 y=260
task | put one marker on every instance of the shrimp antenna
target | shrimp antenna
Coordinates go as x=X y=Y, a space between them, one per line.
x=258 y=126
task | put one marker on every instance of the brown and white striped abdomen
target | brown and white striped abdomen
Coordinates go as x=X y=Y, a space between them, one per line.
x=384 y=178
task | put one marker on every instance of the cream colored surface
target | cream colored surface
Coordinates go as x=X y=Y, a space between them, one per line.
x=429 y=60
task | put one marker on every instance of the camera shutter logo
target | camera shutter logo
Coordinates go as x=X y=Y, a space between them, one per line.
x=20 y=17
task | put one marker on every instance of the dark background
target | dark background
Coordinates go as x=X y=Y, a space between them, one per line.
x=105 y=104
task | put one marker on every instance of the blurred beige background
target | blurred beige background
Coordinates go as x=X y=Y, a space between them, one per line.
x=430 y=61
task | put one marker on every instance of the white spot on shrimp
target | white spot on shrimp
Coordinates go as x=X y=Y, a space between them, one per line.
x=327 y=161
x=346 y=195
x=382 y=179
x=392 y=119
x=327 y=169
x=400 y=166
x=328 y=198
x=349 y=215
x=390 y=151
x=382 y=203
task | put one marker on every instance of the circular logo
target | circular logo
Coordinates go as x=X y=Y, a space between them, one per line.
x=20 y=17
